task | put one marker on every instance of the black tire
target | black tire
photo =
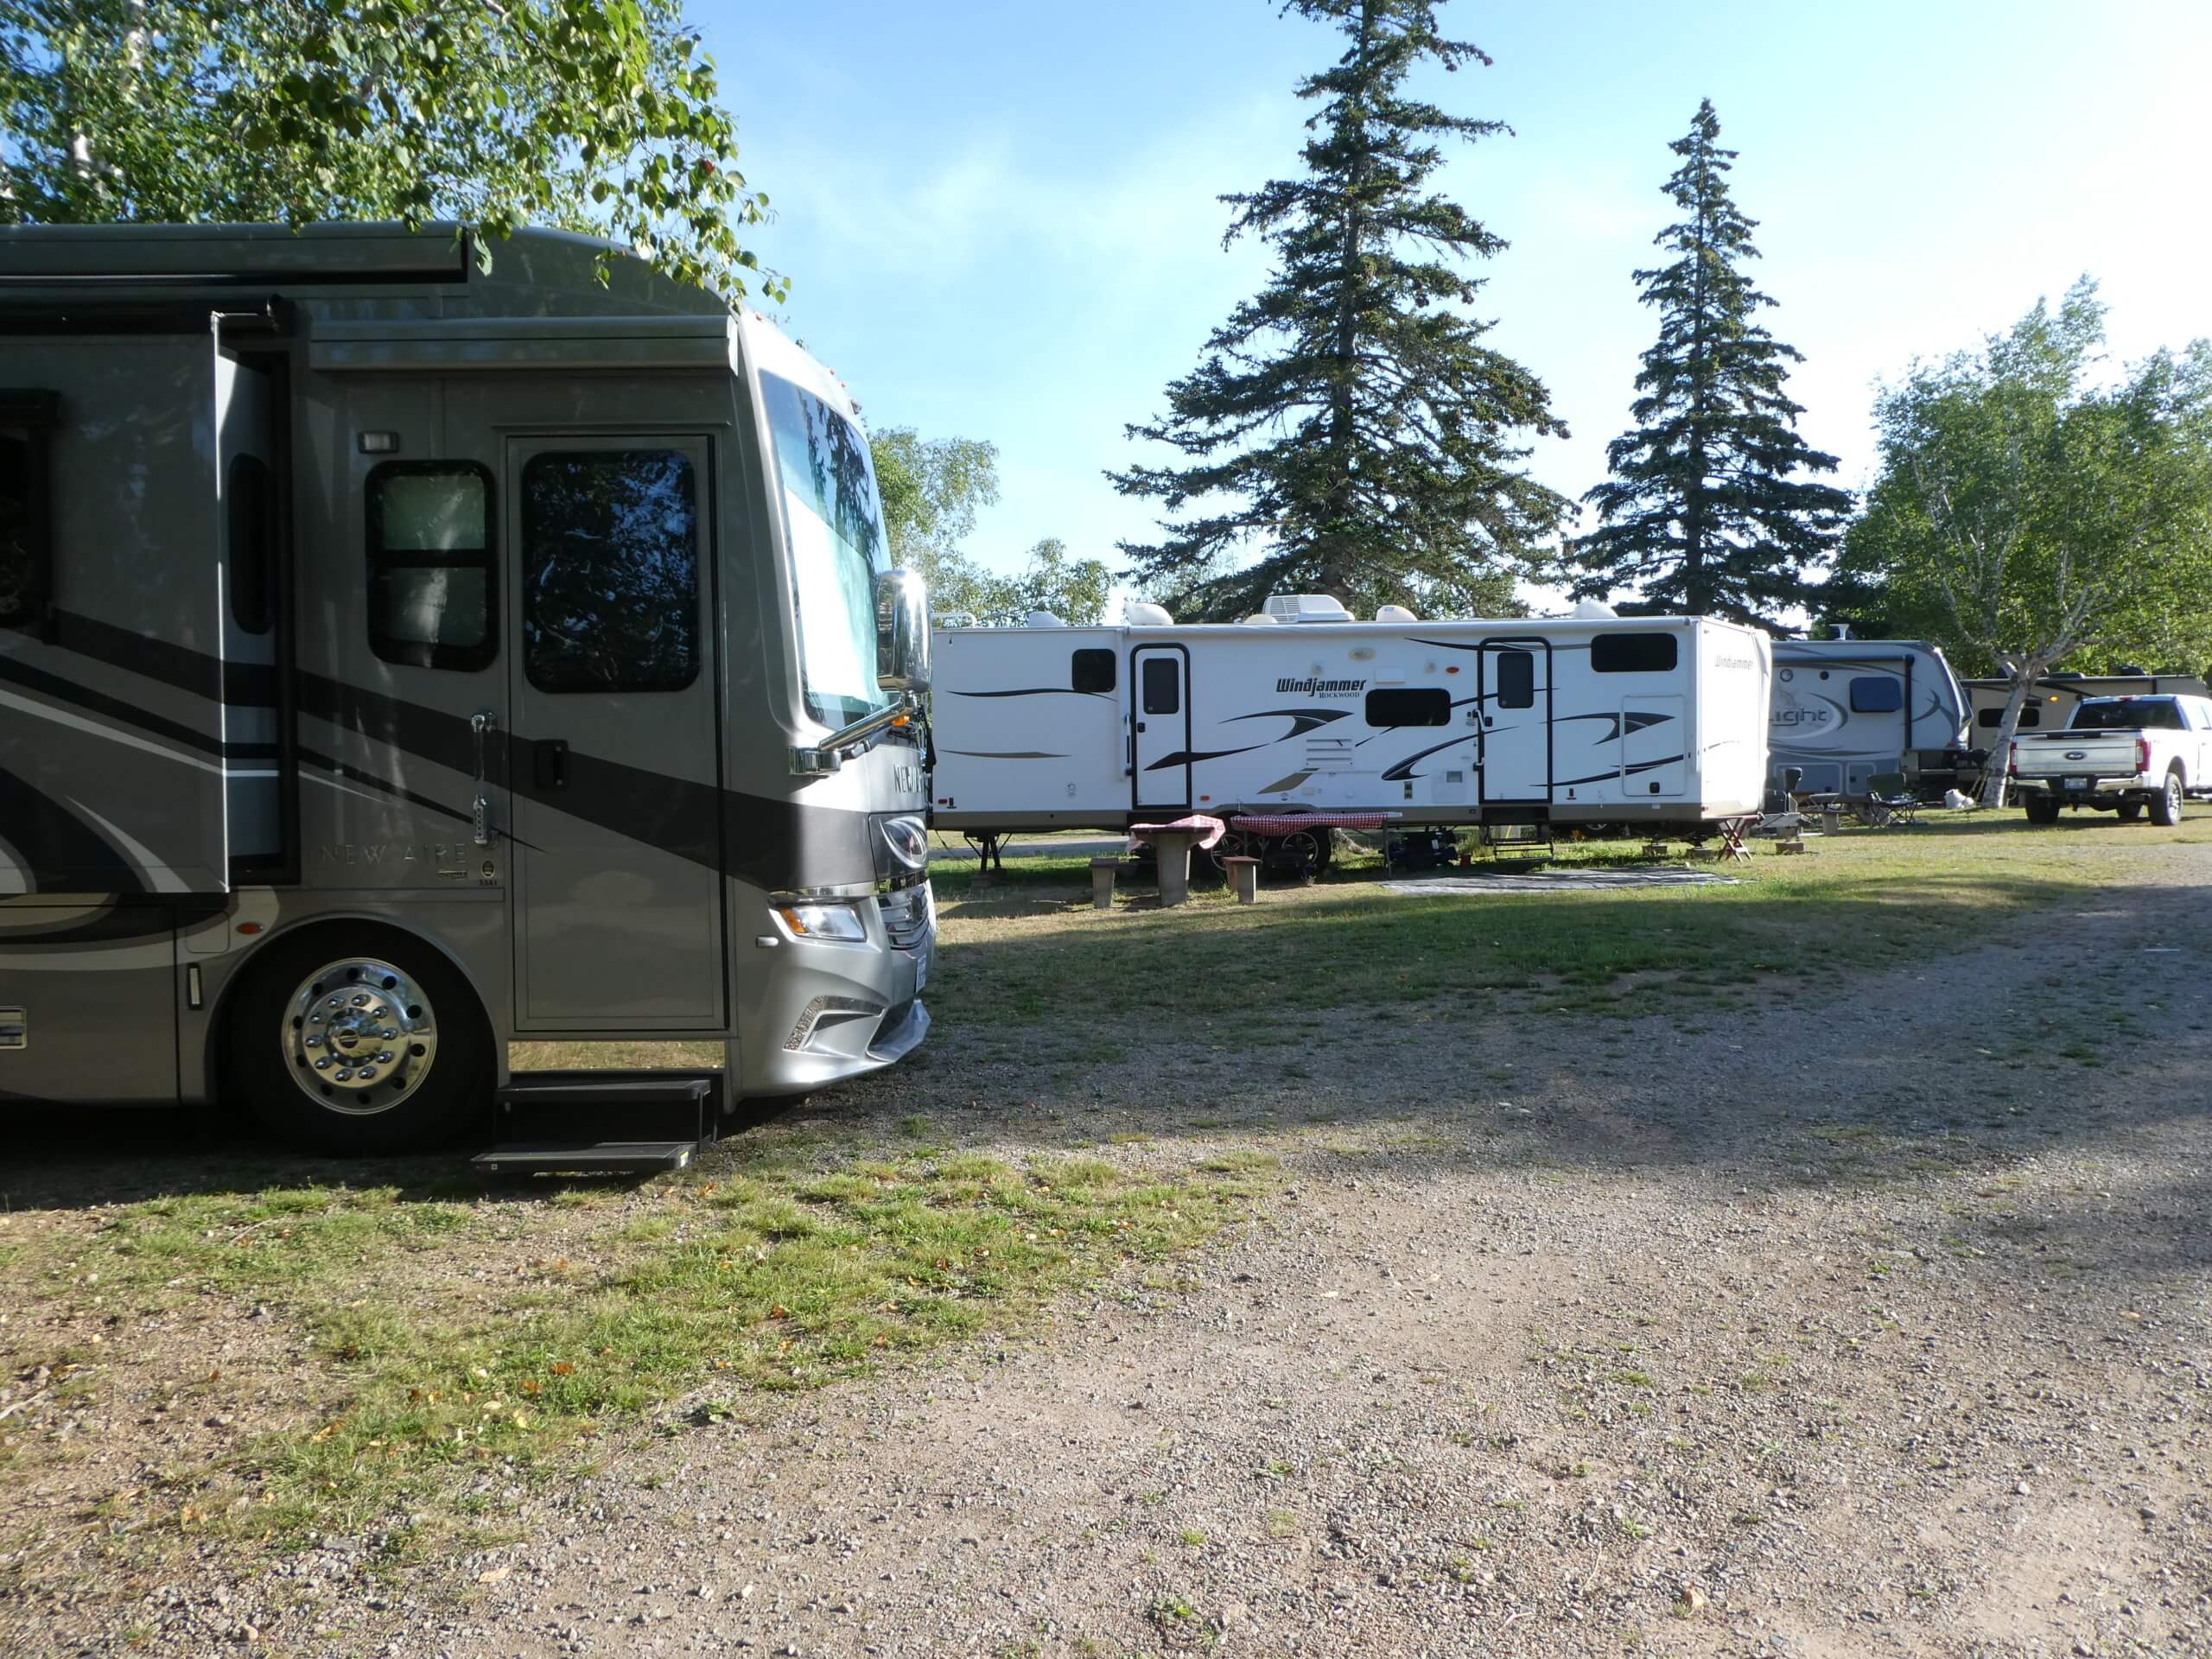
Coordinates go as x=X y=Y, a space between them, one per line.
x=2166 y=805
x=2040 y=809
x=437 y=1058
x=2129 y=811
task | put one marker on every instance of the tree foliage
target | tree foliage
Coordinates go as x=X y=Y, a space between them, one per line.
x=1347 y=424
x=1707 y=511
x=600 y=116
x=2026 y=516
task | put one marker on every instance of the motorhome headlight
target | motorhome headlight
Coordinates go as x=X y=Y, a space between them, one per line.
x=823 y=921
x=908 y=841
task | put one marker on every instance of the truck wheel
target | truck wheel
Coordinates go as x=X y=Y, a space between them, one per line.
x=2040 y=809
x=2129 y=811
x=360 y=1039
x=2166 y=805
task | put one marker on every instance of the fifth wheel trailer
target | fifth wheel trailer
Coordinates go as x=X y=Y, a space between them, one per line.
x=397 y=660
x=1653 y=723
x=1846 y=711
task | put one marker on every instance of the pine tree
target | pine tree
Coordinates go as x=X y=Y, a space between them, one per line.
x=1705 y=512
x=1348 y=424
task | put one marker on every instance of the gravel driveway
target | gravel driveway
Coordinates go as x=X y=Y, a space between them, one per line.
x=1874 y=1322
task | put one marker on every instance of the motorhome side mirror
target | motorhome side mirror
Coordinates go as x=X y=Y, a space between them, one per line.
x=902 y=631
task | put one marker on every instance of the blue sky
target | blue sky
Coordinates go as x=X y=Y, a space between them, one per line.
x=999 y=219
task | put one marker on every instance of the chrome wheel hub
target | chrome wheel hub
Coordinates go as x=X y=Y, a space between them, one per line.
x=359 y=1036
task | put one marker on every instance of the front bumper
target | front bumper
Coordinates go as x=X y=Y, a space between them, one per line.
x=829 y=1010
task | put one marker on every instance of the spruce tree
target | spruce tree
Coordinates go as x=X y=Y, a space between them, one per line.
x=1348 y=424
x=1707 y=510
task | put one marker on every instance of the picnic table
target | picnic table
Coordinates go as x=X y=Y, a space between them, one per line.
x=1171 y=844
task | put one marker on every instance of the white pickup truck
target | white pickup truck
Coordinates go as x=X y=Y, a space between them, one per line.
x=2118 y=754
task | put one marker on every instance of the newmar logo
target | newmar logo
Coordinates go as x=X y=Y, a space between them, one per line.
x=1323 y=687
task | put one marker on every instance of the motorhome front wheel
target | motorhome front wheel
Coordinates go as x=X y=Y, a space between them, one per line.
x=376 y=1048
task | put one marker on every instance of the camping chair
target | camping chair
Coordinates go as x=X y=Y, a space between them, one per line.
x=1888 y=802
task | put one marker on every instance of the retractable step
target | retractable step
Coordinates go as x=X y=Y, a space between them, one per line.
x=602 y=1122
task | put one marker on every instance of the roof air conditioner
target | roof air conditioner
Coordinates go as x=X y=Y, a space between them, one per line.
x=1394 y=613
x=1306 y=607
x=1143 y=613
x=1045 y=619
x=1591 y=610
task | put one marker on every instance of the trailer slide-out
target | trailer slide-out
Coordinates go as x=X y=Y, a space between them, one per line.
x=1650 y=722
x=399 y=660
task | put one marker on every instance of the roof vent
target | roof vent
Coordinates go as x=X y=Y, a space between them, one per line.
x=1394 y=613
x=1306 y=607
x=1259 y=619
x=1043 y=619
x=1591 y=610
x=1143 y=613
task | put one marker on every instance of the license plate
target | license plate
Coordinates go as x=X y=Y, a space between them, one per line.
x=921 y=970
x=2077 y=783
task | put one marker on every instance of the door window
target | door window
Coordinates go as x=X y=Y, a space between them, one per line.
x=1163 y=685
x=610 y=558
x=1517 y=679
x=431 y=585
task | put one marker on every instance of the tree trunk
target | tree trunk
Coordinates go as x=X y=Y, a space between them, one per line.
x=2025 y=675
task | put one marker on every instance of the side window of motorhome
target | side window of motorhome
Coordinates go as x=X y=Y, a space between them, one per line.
x=431 y=585
x=610 y=558
x=1876 y=694
x=1092 y=671
x=1517 y=680
x=1990 y=719
x=26 y=526
x=253 y=524
x=1409 y=706
x=1163 y=686
x=1632 y=654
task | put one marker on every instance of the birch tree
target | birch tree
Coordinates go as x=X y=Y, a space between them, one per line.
x=2034 y=517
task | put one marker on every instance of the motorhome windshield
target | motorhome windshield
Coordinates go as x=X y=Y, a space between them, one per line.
x=2130 y=714
x=837 y=550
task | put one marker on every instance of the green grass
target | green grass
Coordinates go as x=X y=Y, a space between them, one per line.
x=1864 y=899
x=784 y=1262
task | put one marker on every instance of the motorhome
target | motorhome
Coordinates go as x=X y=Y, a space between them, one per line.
x=400 y=659
x=1848 y=711
x=1657 y=724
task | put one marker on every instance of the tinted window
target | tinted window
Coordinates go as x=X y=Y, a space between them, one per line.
x=2135 y=714
x=431 y=585
x=251 y=524
x=1876 y=694
x=26 y=527
x=610 y=562
x=1093 y=670
x=1409 y=706
x=1990 y=719
x=1517 y=680
x=1632 y=654
x=1163 y=685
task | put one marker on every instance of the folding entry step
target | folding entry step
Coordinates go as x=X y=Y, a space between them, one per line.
x=602 y=1122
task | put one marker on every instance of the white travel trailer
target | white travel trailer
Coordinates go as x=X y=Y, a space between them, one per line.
x=1656 y=722
x=1847 y=711
x=397 y=659
x=2051 y=707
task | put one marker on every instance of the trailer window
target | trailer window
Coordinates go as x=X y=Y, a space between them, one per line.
x=1517 y=680
x=1163 y=685
x=1092 y=671
x=26 y=515
x=1409 y=706
x=252 y=525
x=2129 y=715
x=1990 y=719
x=1632 y=654
x=1876 y=694
x=610 y=555
x=431 y=584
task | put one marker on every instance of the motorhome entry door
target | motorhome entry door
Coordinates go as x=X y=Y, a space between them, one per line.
x=1160 y=725
x=1516 y=705
x=613 y=760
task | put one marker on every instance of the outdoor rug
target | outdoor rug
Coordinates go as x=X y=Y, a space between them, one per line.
x=1478 y=882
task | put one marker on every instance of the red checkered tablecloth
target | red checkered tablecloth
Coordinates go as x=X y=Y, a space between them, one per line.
x=1209 y=829
x=1289 y=823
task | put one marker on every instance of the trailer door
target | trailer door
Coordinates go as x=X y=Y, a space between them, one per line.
x=614 y=764
x=1159 y=735
x=1516 y=705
